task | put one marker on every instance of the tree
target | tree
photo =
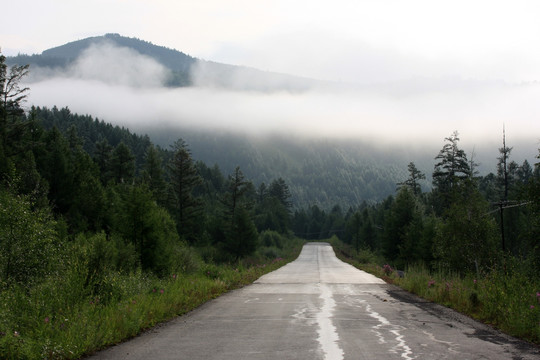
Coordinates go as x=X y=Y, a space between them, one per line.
x=184 y=179
x=502 y=167
x=18 y=134
x=415 y=176
x=533 y=195
x=240 y=232
x=11 y=94
x=88 y=197
x=280 y=190
x=55 y=165
x=153 y=174
x=355 y=226
x=235 y=196
x=273 y=207
x=524 y=173
x=242 y=237
x=466 y=237
x=451 y=169
x=122 y=164
x=368 y=230
x=102 y=156
x=148 y=226
x=402 y=228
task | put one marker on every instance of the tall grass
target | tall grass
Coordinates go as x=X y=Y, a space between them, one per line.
x=61 y=318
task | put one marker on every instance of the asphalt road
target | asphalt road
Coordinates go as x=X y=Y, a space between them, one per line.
x=318 y=307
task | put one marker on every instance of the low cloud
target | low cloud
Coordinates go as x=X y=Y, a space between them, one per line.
x=125 y=88
x=109 y=65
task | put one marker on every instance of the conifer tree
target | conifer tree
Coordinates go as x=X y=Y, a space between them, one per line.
x=240 y=232
x=184 y=178
x=152 y=174
x=122 y=164
x=451 y=169
x=415 y=176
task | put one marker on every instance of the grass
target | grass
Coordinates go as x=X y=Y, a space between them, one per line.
x=507 y=298
x=61 y=319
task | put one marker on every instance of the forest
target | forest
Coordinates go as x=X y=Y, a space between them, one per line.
x=92 y=213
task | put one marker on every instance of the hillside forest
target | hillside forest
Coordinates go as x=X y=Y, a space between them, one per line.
x=86 y=201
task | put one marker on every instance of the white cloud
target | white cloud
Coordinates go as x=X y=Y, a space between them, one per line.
x=109 y=64
x=114 y=65
x=400 y=115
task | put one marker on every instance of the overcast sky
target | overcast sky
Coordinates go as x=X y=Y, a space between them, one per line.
x=347 y=40
x=439 y=66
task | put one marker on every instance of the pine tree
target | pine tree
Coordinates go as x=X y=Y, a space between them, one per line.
x=152 y=175
x=503 y=168
x=415 y=176
x=184 y=178
x=466 y=238
x=102 y=156
x=240 y=231
x=280 y=190
x=451 y=170
x=122 y=164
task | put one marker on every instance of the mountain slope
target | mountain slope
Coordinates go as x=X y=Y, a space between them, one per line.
x=185 y=70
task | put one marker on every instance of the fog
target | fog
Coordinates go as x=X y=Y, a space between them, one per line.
x=125 y=88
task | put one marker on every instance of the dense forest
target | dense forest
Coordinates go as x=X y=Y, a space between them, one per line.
x=82 y=199
x=323 y=173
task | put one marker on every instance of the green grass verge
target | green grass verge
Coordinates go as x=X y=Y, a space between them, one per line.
x=58 y=320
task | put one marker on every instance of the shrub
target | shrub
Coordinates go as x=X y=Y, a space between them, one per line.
x=29 y=246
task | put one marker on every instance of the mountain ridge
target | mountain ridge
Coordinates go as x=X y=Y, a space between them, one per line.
x=185 y=69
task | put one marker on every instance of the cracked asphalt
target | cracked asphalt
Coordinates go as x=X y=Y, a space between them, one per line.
x=319 y=307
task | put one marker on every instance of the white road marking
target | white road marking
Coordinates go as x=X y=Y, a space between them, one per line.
x=328 y=336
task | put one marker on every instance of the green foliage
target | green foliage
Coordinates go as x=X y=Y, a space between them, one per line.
x=153 y=175
x=451 y=168
x=184 y=178
x=122 y=164
x=29 y=249
x=413 y=182
x=466 y=238
x=270 y=238
x=60 y=318
x=148 y=227
x=403 y=229
x=241 y=239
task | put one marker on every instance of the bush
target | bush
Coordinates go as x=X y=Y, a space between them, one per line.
x=185 y=260
x=271 y=238
x=29 y=246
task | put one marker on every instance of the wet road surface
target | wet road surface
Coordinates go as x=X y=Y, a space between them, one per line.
x=318 y=307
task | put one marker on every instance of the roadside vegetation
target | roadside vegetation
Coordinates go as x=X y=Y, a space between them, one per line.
x=65 y=316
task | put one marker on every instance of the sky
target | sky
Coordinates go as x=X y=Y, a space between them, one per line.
x=432 y=66
x=347 y=40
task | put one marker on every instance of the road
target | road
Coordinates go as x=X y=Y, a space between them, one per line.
x=318 y=307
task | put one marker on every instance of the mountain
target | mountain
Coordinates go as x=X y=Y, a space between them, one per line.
x=185 y=70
